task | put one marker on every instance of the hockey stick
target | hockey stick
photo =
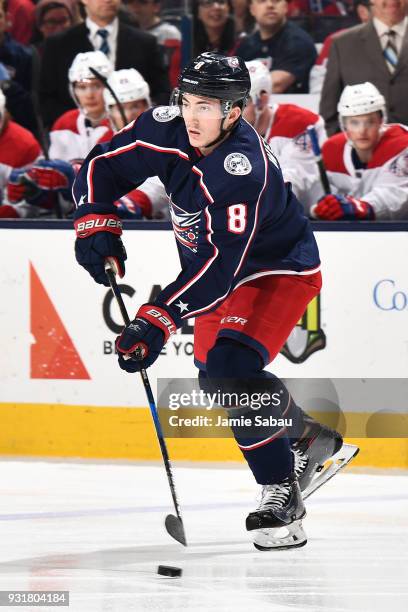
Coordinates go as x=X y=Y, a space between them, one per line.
x=311 y=130
x=174 y=524
x=104 y=80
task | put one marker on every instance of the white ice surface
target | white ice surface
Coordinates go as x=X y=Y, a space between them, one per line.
x=96 y=529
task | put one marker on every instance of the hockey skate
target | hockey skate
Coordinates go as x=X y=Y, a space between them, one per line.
x=319 y=456
x=277 y=521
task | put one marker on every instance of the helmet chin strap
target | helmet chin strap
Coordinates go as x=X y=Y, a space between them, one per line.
x=221 y=135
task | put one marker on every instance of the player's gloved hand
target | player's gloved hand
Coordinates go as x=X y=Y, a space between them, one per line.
x=142 y=341
x=19 y=187
x=98 y=229
x=332 y=207
x=128 y=208
x=52 y=175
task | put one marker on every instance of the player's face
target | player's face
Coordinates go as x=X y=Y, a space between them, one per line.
x=132 y=111
x=202 y=117
x=90 y=97
x=268 y=13
x=364 y=130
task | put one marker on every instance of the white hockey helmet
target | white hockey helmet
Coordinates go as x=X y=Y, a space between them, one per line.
x=128 y=85
x=360 y=99
x=260 y=79
x=83 y=62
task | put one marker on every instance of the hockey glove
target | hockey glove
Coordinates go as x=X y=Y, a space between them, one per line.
x=142 y=341
x=31 y=182
x=52 y=175
x=98 y=229
x=19 y=187
x=332 y=208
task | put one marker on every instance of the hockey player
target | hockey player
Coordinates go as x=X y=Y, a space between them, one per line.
x=76 y=132
x=249 y=261
x=150 y=199
x=367 y=164
x=133 y=93
x=284 y=128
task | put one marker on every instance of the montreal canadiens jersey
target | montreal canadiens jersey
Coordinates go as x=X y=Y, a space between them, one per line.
x=233 y=217
x=72 y=138
x=18 y=147
x=286 y=134
x=383 y=182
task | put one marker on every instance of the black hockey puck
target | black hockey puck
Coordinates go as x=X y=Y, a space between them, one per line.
x=168 y=570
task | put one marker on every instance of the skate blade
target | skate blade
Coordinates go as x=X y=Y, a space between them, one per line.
x=280 y=538
x=331 y=467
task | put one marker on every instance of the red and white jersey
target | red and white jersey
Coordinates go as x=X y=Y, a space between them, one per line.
x=156 y=199
x=18 y=147
x=72 y=136
x=384 y=181
x=286 y=134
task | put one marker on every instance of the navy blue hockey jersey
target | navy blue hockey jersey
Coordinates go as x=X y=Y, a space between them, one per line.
x=233 y=216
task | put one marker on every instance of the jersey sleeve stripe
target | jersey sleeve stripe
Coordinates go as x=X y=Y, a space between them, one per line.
x=202 y=185
x=205 y=267
x=126 y=149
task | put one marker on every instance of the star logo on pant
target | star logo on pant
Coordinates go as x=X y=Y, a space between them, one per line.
x=182 y=306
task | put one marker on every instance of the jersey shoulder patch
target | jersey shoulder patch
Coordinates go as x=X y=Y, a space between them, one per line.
x=165 y=113
x=237 y=163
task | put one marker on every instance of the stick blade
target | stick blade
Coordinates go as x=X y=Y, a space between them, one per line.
x=175 y=528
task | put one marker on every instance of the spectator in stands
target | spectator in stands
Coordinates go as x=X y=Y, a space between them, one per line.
x=77 y=131
x=213 y=27
x=16 y=57
x=363 y=11
x=283 y=126
x=244 y=22
x=21 y=20
x=125 y=46
x=147 y=14
x=52 y=16
x=376 y=51
x=16 y=76
x=288 y=51
x=18 y=147
x=367 y=164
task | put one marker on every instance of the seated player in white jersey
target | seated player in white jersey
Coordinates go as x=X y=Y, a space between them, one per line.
x=149 y=200
x=36 y=190
x=249 y=267
x=366 y=164
x=77 y=131
x=283 y=126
